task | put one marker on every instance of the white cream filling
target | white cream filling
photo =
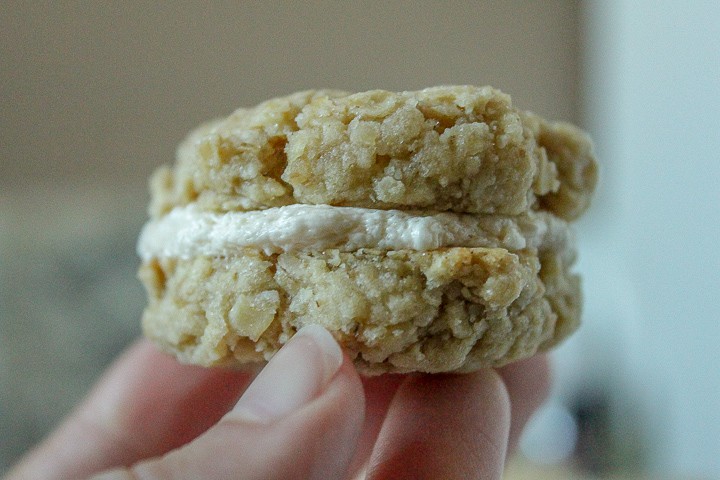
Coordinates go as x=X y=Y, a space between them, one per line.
x=186 y=231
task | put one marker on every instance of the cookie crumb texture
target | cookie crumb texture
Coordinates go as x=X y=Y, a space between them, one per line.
x=457 y=309
x=462 y=149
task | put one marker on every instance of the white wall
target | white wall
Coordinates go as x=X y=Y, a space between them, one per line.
x=651 y=244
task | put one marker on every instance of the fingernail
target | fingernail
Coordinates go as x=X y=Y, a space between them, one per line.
x=295 y=375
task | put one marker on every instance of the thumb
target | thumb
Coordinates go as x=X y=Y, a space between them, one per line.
x=300 y=418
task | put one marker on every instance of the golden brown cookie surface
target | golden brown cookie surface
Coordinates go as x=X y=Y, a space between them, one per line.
x=463 y=149
x=455 y=254
x=398 y=311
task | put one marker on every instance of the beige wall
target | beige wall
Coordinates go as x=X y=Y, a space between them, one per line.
x=102 y=92
x=95 y=95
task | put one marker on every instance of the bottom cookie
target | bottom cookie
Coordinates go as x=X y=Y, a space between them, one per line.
x=455 y=309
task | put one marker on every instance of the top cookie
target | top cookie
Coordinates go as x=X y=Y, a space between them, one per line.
x=463 y=149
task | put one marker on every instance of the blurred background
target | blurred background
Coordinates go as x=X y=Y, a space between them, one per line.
x=96 y=95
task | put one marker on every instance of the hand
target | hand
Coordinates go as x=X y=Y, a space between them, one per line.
x=306 y=415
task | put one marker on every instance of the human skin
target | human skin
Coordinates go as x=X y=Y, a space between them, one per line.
x=307 y=414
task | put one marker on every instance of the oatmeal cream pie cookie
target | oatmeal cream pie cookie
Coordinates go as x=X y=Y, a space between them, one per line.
x=427 y=231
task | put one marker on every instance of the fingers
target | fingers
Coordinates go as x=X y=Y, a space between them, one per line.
x=145 y=405
x=299 y=419
x=528 y=384
x=444 y=426
x=379 y=392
